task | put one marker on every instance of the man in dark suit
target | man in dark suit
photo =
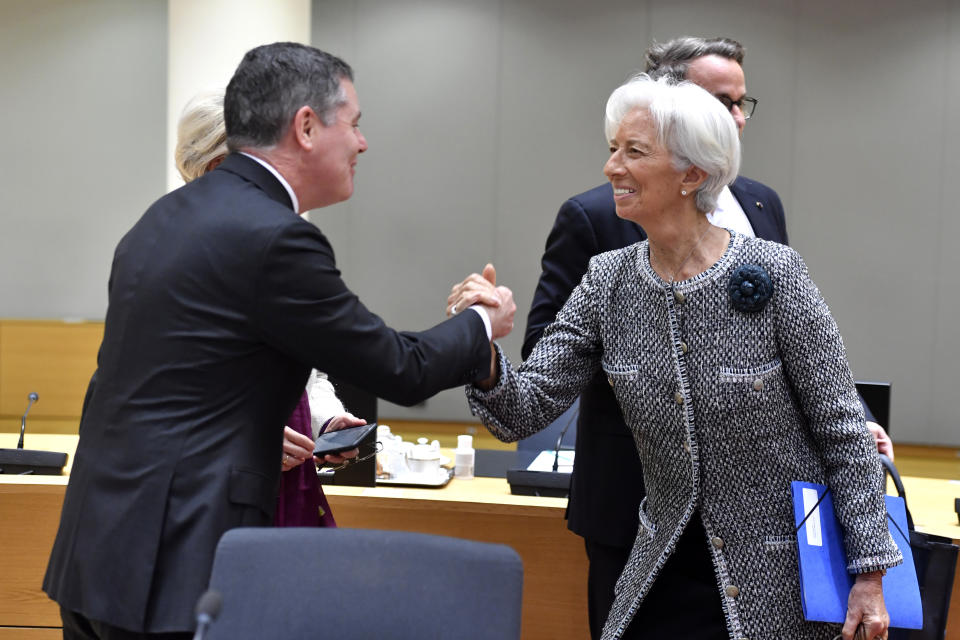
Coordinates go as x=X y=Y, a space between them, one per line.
x=221 y=299
x=607 y=484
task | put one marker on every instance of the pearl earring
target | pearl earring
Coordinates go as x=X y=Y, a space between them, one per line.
x=683 y=192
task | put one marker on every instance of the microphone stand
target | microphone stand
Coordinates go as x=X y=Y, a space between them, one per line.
x=33 y=397
x=563 y=432
x=22 y=461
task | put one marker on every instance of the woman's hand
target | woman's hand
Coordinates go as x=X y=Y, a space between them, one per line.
x=297 y=449
x=343 y=421
x=336 y=423
x=865 y=607
x=338 y=458
x=884 y=444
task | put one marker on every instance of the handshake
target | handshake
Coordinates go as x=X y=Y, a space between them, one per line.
x=482 y=289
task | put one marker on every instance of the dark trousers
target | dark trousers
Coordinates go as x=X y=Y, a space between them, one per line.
x=606 y=565
x=684 y=601
x=78 y=627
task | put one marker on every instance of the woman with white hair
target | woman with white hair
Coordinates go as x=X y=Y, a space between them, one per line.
x=201 y=147
x=731 y=374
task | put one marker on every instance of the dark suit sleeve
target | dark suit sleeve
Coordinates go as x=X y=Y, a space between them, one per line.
x=570 y=245
x=304 y=309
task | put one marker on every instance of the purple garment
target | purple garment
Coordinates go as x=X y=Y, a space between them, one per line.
x=301 y=502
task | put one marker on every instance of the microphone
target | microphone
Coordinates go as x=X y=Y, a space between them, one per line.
x=553 y=483
x=563 y=432
x=32 y=397
x=208 y=608
x=25 y=461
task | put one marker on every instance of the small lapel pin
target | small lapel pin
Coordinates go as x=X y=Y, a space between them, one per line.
x=759 y=205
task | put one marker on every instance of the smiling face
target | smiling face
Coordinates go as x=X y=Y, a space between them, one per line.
x=646 y=185
x=335 y=150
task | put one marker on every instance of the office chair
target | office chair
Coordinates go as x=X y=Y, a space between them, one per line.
x=877 y=397
x=354 y=584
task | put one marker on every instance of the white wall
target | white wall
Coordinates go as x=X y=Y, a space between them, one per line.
x=83 y=112
x=482 y=117
x=207 y=40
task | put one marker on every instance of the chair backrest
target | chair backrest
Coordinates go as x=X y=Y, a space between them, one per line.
x=547 y=438
x=877 y=397
x=354 y=584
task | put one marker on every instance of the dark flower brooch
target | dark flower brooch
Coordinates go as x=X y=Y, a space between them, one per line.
x=750 y=288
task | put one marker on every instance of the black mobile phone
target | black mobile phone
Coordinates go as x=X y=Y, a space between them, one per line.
x=342 y=440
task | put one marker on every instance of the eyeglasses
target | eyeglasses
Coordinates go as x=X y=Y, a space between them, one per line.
x=745 y=104
x=377 y=448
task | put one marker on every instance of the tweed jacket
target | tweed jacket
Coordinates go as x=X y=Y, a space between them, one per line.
x=726 y=408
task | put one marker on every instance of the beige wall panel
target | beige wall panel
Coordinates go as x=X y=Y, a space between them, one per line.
x=867 y=207
x=943 y=346
x=84 y=108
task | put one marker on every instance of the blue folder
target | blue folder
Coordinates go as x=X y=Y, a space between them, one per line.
x=824 y=581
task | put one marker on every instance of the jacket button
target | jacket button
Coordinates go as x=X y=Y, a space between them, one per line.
x=678 y=397
x=679 y=297
x=757 y=385
x=684 y=347
x=610 y=380
x=732 y=591
x=717 y=542
x=686 y=446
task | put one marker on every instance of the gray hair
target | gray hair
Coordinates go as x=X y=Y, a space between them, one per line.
x=272 y=83
x=201 y=135
x=691 y=124
x=673 y=58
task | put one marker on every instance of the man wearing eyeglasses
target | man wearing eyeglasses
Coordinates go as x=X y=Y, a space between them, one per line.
x=746 y=206
x=607 y=484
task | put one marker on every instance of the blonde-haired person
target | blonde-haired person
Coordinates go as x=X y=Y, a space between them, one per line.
x=201 y=147
x=201 y=135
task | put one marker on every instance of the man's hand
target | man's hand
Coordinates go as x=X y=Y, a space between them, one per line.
x=884 y=444
x=475 y=289
x=483 y=289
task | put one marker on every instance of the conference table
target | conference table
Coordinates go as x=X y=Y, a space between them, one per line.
x=555 y=566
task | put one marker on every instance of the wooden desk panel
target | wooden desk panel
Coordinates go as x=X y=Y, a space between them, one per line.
x=30 y=633
x=554 y=598
x=29 y=516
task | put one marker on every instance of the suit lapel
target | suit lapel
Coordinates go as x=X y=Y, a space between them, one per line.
x=756 y=207
x=255 y=172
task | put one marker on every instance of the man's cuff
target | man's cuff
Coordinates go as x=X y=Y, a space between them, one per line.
x=486 y=319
